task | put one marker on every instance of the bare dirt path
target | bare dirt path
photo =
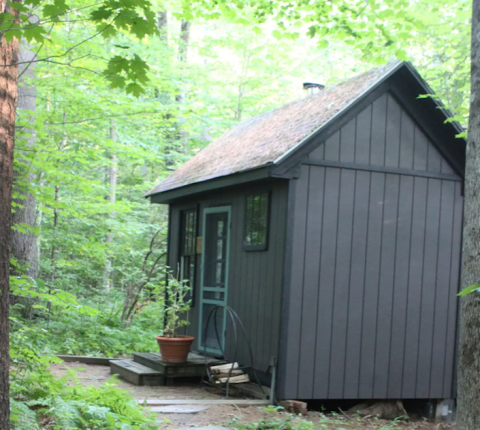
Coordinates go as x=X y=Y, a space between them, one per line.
x=226 y=415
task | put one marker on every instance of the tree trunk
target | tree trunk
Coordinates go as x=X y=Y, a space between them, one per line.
x=162 y=23
x=24 y=245
x=182 y=54
x=180 y=98
x=469 y=348
x=8 y=106
x=53 y=255
x=111 y=216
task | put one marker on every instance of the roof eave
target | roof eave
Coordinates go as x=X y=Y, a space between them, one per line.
x=166 y=197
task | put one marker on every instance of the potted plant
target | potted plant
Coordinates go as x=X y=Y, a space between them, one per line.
x=174 y=348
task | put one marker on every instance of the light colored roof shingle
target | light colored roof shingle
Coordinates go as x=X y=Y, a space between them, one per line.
x=266 y=138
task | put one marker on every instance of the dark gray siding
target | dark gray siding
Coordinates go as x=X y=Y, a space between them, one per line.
x=255 y=278
x=384 y=135
x=374 y=265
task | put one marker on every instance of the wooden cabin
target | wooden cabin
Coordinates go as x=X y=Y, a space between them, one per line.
x=333 y=227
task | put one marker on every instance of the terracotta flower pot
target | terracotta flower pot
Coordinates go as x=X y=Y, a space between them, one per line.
x=175 y=349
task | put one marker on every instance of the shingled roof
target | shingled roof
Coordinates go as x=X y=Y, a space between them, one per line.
x=266 y=138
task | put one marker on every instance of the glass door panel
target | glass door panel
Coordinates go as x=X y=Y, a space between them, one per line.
x=216 y=232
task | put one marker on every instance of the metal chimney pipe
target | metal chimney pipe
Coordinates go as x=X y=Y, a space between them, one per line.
x=312 y=87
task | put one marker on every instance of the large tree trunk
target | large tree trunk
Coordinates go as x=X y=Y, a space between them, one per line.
x=469 y=349
x=8 y=106
x=107 y=273
x=24 y=245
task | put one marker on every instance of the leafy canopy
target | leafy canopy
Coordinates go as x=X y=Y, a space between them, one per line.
x=34 y=20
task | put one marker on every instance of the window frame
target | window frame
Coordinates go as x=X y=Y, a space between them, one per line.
x=181 y=249
x=262 y=246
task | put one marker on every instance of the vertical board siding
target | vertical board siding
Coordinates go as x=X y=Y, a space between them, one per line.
x=386 y=279
x=444 y=258
x=293 y=339
x=323 y=334
x=374 y=214
x=310 y=290
x=393 y=126
x=254 y=289
x=341 y=281
x=429 y=287
x=415 y=279
x=385 y=135
x=378 y=127
x=374 y=280
x=356 y=282
x=453 y=282
x=400 y=288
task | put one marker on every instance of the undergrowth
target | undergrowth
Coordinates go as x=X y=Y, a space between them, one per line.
x=63 y=325
x=41 y=401
x=98 y=332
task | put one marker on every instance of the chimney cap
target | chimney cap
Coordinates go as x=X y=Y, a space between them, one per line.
x=311 y=85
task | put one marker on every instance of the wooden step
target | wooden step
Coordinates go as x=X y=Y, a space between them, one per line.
x=136 y=373
x=193 y=367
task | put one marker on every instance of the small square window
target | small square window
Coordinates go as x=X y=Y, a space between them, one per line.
x=256 y=222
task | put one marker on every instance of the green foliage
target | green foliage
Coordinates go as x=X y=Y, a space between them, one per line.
x=109 y=18
x=469 y=290
x=376 y=28
x=38 y=397
x=288 y=423
x=177 y=304
x=76 y=407
x=85 y=330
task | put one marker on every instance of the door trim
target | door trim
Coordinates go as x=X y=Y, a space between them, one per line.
x=206 y=211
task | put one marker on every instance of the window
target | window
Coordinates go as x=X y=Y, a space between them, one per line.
x=256 y=222
x=188 y=239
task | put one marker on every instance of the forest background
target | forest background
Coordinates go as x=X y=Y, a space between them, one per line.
x=89 y=249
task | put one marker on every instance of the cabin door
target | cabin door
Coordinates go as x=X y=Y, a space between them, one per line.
x=214 y=282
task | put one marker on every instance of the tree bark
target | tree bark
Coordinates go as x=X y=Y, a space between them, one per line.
x=180 y=98
x=182 y=54
x=469 y=348
x=8 y=106
x=56 y=215
x=24 y=245
x=162 y=23
x=111 y=216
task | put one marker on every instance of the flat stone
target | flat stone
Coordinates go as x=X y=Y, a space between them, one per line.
x=204 y=428
x=179 y=409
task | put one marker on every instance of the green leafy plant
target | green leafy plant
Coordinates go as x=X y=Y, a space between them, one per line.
x=177 y=305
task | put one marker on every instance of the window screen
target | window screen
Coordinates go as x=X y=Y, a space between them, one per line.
x=188 y=239
x=256 y=222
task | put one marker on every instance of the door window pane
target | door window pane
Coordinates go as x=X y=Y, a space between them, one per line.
x=215 y=250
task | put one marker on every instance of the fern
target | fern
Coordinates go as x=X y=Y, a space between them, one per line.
x=22 y=417
x=65 y=414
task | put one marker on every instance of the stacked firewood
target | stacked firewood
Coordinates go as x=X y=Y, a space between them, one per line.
x=220 y=374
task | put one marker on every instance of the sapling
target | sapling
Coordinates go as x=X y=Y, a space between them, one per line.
x=177 y=305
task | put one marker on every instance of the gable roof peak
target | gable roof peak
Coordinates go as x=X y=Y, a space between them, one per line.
x=271 y=136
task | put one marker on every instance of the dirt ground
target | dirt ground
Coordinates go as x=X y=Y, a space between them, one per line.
x=224 y=414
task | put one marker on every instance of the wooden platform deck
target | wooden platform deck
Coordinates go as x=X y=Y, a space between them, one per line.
x=147 y=368
x=136 y=374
